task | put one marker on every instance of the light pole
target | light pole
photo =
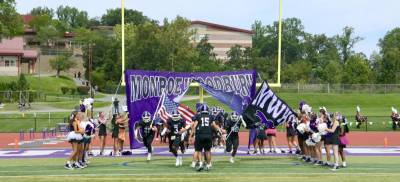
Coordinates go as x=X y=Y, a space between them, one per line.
x=90 y=75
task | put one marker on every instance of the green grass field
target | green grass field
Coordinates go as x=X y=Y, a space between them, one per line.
x=376 y=106
x=370 y=104
x=379 y=169
x=49 y=84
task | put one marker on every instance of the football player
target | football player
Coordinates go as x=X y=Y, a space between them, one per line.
x=219 y=120
x=202 y=129
x=175 y=127
x=232 y=127
x=147 y=130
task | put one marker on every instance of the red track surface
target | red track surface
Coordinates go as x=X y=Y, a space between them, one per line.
x=355 y=138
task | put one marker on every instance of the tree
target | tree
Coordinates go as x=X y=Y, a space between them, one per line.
x=113 y=17
x=62 y=63
x=235 y=57
x=332 y=73
x=22 y=83
x=72 y=16
x=388 y=64
x=266 y=39
x=298 y=72
x=94 y=22
x=206 y=57
x=38 y=11
x=40 y=21
x=205 y=49
x=346 y=42
x=259 y=32
x=46 y=28
x=10 y=21
x=357 y=70
x=320 y=50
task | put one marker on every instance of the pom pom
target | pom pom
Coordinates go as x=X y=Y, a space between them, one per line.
x=322 y=128
x=301 y=128
x=316 y=137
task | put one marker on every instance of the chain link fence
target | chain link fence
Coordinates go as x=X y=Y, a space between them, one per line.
x=36 y=96
x=339 y=88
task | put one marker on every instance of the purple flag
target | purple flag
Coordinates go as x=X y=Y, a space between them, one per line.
x=144 y=88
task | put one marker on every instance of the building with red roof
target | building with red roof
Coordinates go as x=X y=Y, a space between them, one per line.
x=15 y=59
x=221 y=37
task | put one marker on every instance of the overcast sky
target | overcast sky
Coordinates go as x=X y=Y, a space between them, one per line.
x=370 y=18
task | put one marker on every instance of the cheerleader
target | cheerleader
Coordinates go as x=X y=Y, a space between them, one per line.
x=89 y=130
x=332 y=140
x=309 y=143
x=271 y=136
x=114 y=135
x=343 y=138
x=74 y=137
x=303 y=136
x=261 y=136
x=122 y=120
x=315 y=138
x=291 y=136
x=102 y=131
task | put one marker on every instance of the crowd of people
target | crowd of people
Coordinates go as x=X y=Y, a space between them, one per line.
x=316 y=132
x=213 y=128
x=83 y=127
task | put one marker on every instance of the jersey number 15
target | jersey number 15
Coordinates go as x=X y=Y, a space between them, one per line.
x=205 y=122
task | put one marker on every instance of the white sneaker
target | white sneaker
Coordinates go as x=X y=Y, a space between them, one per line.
x=193 y=165
x=232 y=160
x=68 y=166
x=344 y=164
x=177 y=162
x=78 y=165
x=148 y=156
x=335 y=167
x=208 y=167
x=180 y=160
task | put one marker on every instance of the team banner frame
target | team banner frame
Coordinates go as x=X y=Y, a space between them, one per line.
x=144 y=89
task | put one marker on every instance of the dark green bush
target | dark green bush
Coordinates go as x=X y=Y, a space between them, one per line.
x=83 y=90
x=64 y=90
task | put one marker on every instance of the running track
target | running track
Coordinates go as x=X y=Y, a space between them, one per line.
x=368 y=139
x=163 y=151
x=362 y=144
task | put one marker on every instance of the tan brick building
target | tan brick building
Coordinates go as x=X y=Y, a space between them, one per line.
x=221 y=37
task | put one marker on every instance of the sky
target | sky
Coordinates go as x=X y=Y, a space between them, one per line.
x=371 y=19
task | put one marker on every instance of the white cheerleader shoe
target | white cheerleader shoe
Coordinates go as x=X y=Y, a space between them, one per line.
x=232 y=160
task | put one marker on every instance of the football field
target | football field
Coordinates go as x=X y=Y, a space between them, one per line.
x=161 y=168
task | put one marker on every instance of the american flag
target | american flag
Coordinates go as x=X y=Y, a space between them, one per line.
x=168 y=106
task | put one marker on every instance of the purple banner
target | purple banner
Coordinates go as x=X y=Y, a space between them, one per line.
x=144 y=88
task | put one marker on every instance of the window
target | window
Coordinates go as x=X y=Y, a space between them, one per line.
x=9 y=63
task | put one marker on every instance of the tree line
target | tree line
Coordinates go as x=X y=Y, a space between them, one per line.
x=170 y=46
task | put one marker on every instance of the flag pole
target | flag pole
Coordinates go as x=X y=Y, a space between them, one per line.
x=160 y=101
x=233 y=126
